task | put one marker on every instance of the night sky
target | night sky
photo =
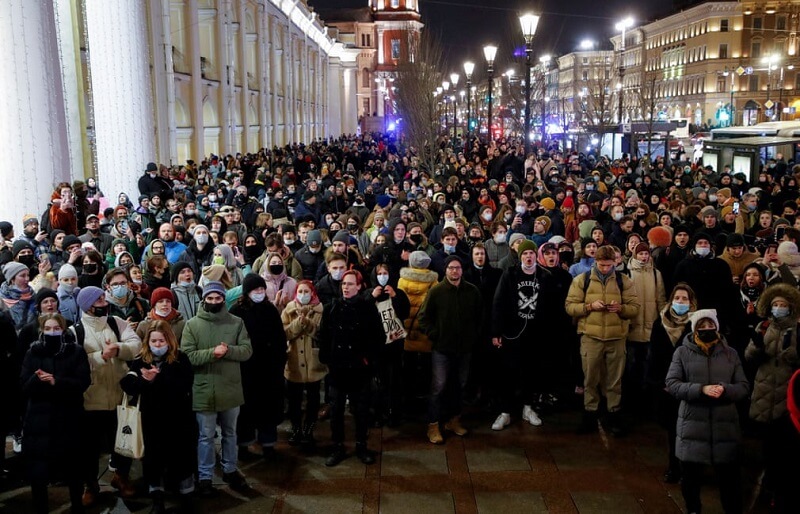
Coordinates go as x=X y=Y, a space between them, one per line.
x=465 y=26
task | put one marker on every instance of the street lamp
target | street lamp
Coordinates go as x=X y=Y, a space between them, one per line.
x=454 y=78
x=545 y=60
x=771 y=61
x=446 y=88
x=489 y=52
x=587 y=44
x=469 y=67
x=528 y=23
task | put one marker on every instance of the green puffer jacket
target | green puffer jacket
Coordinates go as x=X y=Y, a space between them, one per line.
x=451 y=317
x=217 y=382
x=602 y=325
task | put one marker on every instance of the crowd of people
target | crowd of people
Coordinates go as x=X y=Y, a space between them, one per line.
x=238 y=290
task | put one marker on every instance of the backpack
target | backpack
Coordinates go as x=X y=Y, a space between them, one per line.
x=80 y=331
x=44 y=221
x=588 y=276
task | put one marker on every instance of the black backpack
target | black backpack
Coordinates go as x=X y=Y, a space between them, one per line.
x=80 y=330
x=44 y=221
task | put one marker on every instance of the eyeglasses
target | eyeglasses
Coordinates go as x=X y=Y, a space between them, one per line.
x=454 y=268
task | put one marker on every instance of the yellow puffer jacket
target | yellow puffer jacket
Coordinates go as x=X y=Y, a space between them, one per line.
x=302 y=359
x=649 y=287
x=602 y=325
x=416 y=283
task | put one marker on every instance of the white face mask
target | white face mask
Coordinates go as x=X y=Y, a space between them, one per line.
x=288 y=241
x=702 y=252
x=383 y=280
x=257 y=297
x=521 y=210
x=337 y=274
x=304 y=298
x=163 y=312
x=487 y=215
x=500 y=238
x=201 y=239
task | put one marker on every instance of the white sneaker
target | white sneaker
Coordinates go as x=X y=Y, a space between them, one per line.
x=529 y=415
x=17 y=444
x=502 y=421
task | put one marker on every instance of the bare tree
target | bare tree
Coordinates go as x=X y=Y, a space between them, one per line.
x=597 y=100
x=646 y=102
x=416 y=79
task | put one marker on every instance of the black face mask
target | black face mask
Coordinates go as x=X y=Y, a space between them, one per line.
x=213 y=308
x=707 y=335
x=27 y=260
x=276 y=269
x=416 y=238
x=52 y=343
x=99 y=312
x=90 y=268
x=251 y=251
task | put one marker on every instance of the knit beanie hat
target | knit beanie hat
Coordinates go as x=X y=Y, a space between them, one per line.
x=6 y=228
x=162 y=293
x=213 y=287
x=20 y=245
x=585 y=228
x=419 y=259
x=342 y=236
x=70 y=240
x=702 y=314
x=451 y=258
x=88 y=296
x=641 y=247
x=585 y=241
x=251 y=282
x=67 y=270
x=516 y=236
x=548 y=203
x=12 y=269
x=545 y=221
x=525 y=245
x=659 y=237
x=42 y=295
x=734 y=240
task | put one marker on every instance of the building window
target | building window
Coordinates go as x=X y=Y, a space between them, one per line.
x=365 y=80
x=757 y=23
x=585 y=60
x=721 y=83
x=780 y=23
x=395 y=4
x=395 y=49
x=755 y=50
x=723 y=51
x=369 y=40
x=723 y=25
x=365 y=107
x=753 y=83
x=585 y=75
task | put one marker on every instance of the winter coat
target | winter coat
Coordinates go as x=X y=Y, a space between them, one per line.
x=68 y=304
x=302 y=364
x=217 y=382
x=738 y=265
x=262 y=373
x=602 y=325
x=495 y=252
x=708 y=428
x=416 y=283
x=197 y=258
x=452 y=316
x=176 y=322
x=11 y=354
x=648 y=285
x=169 y=426
x=189 y=300
x=350 y=335
x=134 y=309
x=105 y=392
x=309 y=261
x=582 y=266
x=20 y=305
x=53 y=418
x=773 y=348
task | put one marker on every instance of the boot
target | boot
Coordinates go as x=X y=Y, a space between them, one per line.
x=90 y=495
x=434 y=435
x=616 y=425
x=337 y=455
x=297 y=435
x=454 y=425
x=588 y=424
x=308 y=435
x=364 y=454
x=123 y=485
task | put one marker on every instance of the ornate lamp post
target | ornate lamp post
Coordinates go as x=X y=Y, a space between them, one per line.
x=489 y=52
x=469 y=67
x=528 y=23
x=454 y=78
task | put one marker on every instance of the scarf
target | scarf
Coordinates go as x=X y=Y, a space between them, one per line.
x=674 y=325
x=173 y=313
x=12 y=296
x=706 y=347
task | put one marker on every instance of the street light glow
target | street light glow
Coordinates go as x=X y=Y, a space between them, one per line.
x=469 y=67
x=587 y=44
x=529 y=22
x=545 y=59
x=625 y=24
x=489 y=52
x=454 y=77
x=446 y=85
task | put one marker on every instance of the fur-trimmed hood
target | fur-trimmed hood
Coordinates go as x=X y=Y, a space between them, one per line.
x=419 y=275
x=791 y=294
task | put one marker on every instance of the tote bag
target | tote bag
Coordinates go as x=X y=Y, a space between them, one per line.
x=391 y=323
x=129 y=441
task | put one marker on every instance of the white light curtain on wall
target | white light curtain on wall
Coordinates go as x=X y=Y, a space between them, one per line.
x=121 y=91
x=32 y=119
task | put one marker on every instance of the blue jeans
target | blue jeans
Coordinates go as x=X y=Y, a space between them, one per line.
x=207 y=424
x=449 y=373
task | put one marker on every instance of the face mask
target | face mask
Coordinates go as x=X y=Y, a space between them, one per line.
x=158 y=351
x=449 y=249
x=201 y=239
x=337 y=274
x=712 y=198
x=185 y=284
x=680 y=308
x=276 y=269
x=27 y=260
x=707 y=335
x=163 y=312
x=90 y=268
x=99 y=312
x=416 y=238
x=448 y=219
x=702 y=252
x=257 y=297
x=68 y=288
x=352 y=228
x=487 y=215
x=218 y=259
x=288 y=241
x=500 y=238
x=529 y=268
x=383 y=280
x=213 y=308
x=304 y=298
x=521 y=210
x=190 y=212
x=617 y=216
x=54 y=333
x=752 y=208
x=212 y=198
x=120 y=291
x=780 y=312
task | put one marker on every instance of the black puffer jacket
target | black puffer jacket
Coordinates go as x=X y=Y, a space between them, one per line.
x=350 y=334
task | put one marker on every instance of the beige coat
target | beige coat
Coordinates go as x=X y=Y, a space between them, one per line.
x=302 y=362
x=649 y=287
x=416 y=283
x=602 y=325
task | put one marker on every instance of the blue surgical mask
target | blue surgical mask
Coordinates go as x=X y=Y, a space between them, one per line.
x=780 y=312
x=304 y=298
x=383 y=280
x=680 y=308
x=159 y=351
x=119 y=291
x=702 y=252
x=449 y=249
x=185 y=284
